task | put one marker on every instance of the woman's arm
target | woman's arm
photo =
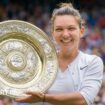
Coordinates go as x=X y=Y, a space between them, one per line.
x=74 y=98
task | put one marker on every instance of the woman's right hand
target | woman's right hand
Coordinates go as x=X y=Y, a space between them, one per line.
x=31 y=97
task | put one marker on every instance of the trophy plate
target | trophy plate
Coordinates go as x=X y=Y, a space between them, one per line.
x=28 y=59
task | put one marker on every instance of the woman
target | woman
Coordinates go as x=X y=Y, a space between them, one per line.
x=80 y=75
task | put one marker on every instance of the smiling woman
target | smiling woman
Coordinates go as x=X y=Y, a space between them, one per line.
x=79 y=76
x=67 y=32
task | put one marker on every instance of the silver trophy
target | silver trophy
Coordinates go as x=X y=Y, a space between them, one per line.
x=28 y=59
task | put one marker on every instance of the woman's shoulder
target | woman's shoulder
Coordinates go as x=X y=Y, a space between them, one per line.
x=89 y=58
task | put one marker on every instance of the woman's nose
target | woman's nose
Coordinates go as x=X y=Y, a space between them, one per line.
x=66 y=33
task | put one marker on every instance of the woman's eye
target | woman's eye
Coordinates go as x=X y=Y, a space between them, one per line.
x=71 y=28
x=59 y=29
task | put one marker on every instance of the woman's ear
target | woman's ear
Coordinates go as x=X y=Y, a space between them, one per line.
x=53 y=33
x=82 y=31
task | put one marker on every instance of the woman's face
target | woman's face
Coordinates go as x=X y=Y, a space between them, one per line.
x=66 y=32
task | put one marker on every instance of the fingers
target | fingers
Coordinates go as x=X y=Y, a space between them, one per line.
x=36 y=94
x=23 y=99
x=31 y=97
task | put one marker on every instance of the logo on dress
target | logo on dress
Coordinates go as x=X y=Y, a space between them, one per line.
x=81 y=68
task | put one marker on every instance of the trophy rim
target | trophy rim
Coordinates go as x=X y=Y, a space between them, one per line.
x=6 y=29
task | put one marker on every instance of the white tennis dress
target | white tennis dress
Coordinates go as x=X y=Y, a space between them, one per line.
x=83 y=75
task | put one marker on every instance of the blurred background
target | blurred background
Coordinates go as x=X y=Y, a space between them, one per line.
x=38 y=12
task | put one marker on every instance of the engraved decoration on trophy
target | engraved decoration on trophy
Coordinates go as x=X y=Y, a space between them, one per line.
x=28 y=59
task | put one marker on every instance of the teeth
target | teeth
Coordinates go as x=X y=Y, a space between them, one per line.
x=66 y=41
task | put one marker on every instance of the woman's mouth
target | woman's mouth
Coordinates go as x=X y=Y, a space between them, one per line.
x=66 y=41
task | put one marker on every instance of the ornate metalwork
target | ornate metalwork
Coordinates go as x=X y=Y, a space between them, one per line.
x=28 y=59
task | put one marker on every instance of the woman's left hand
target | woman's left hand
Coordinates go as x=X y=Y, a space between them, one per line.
x=32 y=97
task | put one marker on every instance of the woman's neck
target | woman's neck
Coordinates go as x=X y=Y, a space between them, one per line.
x=66 y=55
x=66 y=58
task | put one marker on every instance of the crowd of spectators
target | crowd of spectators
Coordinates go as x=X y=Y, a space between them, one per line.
x=38 y=12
